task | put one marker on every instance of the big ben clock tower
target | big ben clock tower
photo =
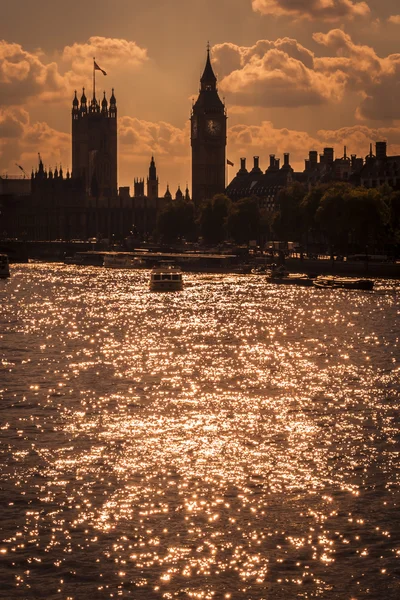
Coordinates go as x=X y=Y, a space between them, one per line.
x=208 y=139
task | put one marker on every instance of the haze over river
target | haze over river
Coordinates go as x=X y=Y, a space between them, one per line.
x=236 y=440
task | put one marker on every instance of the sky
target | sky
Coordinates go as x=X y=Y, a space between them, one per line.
x=296 y=75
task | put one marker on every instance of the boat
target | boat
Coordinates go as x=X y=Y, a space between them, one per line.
x=120 y=260
x=165 y=278
x=4 y=266
x=284 y=277
x=345 y=283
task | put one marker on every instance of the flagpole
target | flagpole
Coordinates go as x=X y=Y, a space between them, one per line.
x=94 y=80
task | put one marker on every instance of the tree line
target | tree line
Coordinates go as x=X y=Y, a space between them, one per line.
x=338 y=216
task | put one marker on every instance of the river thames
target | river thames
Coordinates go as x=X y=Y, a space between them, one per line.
x=236 y=440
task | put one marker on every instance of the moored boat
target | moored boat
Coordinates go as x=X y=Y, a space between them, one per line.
x=284 y=277
x=346 y=283
x=4 y=266
x=120 y=260
x=166 y=278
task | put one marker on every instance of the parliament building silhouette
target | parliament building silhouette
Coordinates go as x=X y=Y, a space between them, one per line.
x=87 y=203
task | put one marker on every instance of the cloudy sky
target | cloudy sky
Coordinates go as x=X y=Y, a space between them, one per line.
x=295 y=74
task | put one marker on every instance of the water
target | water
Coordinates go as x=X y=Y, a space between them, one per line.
x=236 y=440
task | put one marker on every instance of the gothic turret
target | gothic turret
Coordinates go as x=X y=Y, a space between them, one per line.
x=83 y=102
x=179 y=195
x=167 y=194
x=113 y=105
x=104 y=105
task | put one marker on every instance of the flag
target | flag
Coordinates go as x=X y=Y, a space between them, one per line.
x=97 y=68
x=228 y=162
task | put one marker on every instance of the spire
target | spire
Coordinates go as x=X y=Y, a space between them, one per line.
x=83 y=102
x=152 y=170
x=75 y=102
x=187 y=195
x=179 y=195
x=168 y=193
x=208 y=80
x=113 y=105
x=104 y=104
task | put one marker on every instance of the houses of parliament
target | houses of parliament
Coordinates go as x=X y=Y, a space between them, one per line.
x=87 y=203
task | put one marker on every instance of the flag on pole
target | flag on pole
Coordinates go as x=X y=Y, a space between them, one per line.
x=97 y=68
x=228 y=162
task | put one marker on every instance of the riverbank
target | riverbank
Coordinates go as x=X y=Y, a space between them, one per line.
x=56 y=251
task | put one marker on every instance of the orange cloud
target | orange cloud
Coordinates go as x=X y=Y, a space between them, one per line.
x=327 y=10
x=394 y=19
x=170 y=145
x=108 y=52
x=24 y=75
x=279 y=73
x=376 y=79
x=21 y=141
x=283 y=73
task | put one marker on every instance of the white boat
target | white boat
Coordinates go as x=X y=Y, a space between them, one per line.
x=119 y=260
x=166 y=278
x=4 y=266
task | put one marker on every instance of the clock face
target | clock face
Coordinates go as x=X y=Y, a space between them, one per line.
x=194 y=127
x=213 y=127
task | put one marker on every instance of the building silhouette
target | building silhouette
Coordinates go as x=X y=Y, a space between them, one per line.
x=208 y=138
x=94 y=145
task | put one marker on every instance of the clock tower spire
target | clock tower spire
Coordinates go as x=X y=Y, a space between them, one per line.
x=208 y=138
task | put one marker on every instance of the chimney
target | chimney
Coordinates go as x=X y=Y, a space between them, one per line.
x=272 y=161
x=286 y=159
x=242 y=164
x=328 y=154
x=313 y=156
x=256 y=158
x=380 y=150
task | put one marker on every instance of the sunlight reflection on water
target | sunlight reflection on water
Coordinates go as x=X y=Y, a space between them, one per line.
x=234 y=440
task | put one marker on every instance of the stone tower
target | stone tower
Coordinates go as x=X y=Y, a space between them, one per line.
x=94 y=145
x=152 y=181
x=208 y=138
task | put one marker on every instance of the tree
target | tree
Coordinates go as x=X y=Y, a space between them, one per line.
x=289 y=224
x=213 y=217
x=367 y=215
x=332 y=216
x=176 y=220
x=308 y=208
x=244 y=220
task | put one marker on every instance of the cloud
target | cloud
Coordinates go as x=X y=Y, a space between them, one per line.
x=109 y=53
x=327 y=10
x=283 y=73
x=26 y=75
x=376 y=79
x=21 y=141
x=394 y=19
x=170 y=145
x=274 y=73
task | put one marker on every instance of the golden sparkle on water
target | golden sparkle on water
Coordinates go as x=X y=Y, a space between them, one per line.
x=235 y=440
